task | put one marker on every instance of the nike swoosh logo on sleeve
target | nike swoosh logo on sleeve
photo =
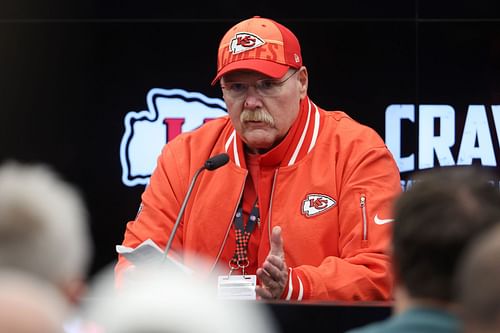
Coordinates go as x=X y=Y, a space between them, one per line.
x=382 y=221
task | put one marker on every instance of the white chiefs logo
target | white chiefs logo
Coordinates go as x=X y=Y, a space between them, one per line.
x=170 y=112
x=244 y=41
x=315 y=204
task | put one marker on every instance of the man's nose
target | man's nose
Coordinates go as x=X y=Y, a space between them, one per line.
x=252 y=98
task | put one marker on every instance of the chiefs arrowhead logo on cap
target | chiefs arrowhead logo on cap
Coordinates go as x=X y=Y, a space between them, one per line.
x=245 y=41
x=315 y=204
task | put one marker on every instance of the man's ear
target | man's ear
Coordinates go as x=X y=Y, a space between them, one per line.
x=74 y=290
x=394 y=268
x=304 y=81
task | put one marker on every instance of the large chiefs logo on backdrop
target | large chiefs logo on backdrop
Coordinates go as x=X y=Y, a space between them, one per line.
x=170 y=112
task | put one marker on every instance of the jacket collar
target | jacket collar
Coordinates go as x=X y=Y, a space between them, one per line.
x=299 y=141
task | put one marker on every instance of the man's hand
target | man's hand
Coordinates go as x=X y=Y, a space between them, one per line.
x=274 y=272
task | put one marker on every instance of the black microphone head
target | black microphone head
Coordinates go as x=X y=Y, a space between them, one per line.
x=216 y=161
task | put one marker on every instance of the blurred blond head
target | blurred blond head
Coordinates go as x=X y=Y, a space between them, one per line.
x=29 y=305
x=165 y=299
x=43 y=225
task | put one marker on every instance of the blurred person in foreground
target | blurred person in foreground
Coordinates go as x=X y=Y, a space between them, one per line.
x=185 y=304
x=304 y=204
x=435 y=220
x=29 y=304
x=43 y=228
x=478 y=283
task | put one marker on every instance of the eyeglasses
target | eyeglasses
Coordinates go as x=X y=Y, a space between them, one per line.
x=264 y=87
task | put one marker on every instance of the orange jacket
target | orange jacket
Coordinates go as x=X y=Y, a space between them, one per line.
x=331 y=194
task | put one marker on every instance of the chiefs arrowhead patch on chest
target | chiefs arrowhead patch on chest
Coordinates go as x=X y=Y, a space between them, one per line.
x=315 y=204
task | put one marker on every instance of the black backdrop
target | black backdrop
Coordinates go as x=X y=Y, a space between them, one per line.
x=71 y=70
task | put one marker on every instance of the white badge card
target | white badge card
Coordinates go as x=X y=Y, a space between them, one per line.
x=237 y=287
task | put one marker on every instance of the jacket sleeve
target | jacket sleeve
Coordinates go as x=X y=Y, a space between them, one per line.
x=160 y=205
x=369 y=183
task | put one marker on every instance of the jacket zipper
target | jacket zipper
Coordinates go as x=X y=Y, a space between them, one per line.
x=229 y=226
x=362 y=204
x=271 y=204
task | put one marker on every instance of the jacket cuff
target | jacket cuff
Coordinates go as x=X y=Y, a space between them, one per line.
x=295 y=290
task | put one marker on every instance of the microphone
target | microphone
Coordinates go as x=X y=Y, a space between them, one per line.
x=216 y=162
x=211 y=164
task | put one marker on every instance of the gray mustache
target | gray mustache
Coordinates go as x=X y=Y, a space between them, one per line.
x=257 y=115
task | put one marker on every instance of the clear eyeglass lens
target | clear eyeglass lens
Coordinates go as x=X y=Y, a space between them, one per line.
x=264 y=87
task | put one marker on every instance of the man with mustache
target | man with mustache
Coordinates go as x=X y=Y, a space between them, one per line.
x=304 y=205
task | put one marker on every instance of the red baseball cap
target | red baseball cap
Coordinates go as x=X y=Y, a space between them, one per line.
x=258 y=44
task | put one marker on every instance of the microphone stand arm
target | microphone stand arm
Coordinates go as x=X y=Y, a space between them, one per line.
x=181 y=212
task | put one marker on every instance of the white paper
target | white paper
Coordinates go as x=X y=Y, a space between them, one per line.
x=148 y=252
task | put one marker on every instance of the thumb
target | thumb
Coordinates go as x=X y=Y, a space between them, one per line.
x=277 y=243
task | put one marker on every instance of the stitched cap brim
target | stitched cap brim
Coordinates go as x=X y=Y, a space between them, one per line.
x=268 y=68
